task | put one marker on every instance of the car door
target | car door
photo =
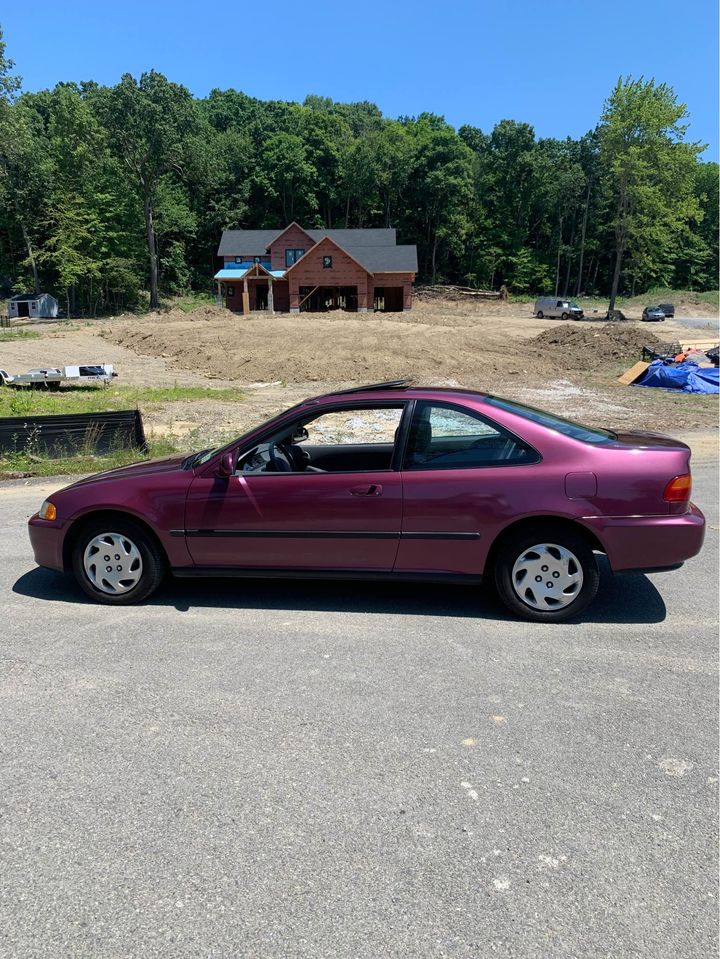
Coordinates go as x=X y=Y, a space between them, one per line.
x=346 y=519
x=464 y=477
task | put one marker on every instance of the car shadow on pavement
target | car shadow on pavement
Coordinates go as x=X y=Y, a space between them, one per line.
x=622 y=599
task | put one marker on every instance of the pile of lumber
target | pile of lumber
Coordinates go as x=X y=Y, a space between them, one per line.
x=441 y=291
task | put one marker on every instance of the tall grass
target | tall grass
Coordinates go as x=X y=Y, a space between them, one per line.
x=95 y=399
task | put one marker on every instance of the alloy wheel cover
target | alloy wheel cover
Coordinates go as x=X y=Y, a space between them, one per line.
x=547 y=577
x=112 y=563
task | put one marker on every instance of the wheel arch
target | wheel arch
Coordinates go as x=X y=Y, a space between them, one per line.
x=527 y=522
x=78 y=524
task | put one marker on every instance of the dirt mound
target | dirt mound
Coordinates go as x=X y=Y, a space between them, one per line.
x=578 y=347
x=338 y=347
x=199 y=314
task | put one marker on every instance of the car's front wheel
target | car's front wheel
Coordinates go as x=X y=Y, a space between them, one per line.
x=117 y=562
x=546 y=575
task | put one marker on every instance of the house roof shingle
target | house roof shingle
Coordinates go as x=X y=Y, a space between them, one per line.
x=385 y=259
x=256 y=242
x=357 y=238
x=253 y=242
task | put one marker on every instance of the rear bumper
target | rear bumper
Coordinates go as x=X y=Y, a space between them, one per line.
x=650 y=542
x=46 y=540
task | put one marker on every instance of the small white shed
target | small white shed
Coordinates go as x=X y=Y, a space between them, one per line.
x=32 y=304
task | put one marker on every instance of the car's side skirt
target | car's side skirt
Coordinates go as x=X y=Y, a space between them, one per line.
x=317 y=534
x=235 y=572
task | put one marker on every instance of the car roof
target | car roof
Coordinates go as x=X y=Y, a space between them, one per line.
x=394 y=390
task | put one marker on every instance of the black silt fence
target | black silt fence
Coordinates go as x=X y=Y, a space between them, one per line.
x=73 y=434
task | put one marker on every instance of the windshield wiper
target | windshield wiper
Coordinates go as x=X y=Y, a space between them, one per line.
x=192 y=459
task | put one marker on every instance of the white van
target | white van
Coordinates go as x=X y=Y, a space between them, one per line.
x=554 y=308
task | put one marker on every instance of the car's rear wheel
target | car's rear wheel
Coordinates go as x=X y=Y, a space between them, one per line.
x=540 y=315
x=117 y=562
x=546 y=575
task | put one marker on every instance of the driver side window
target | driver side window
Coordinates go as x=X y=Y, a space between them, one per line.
x=344 y=440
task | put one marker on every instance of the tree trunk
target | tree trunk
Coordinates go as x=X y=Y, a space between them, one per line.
x=152 y=251
x=620 y=242
x=582 y=240
x=434 y=257
x=616 y=275
x=566 y=286
x=557 y=263
x=31 y=257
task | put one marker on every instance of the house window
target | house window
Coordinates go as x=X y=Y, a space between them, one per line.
x=33 y=305
x=230 y=290
x=257 y=259
x=327 y=263
x=238 y=259
x=292 y=256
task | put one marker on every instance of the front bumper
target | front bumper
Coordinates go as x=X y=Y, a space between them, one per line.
x=46 y=540
x=650 y=542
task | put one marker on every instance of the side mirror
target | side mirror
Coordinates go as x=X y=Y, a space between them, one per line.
x=226 y=466
x=300 y=434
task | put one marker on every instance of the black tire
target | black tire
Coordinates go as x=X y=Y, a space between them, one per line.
x=540 y=315
x=154 y=562
x=564 y=316
x=518 y=544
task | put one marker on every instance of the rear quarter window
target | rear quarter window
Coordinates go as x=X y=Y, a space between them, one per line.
x=446 y=437
x=576 y=431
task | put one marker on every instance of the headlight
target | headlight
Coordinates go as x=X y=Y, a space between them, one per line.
x=48 y=511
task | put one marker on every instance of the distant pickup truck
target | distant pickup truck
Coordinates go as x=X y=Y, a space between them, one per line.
x=52 y=377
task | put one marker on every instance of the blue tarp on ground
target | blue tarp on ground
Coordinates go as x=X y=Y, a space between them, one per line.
x=688 y=377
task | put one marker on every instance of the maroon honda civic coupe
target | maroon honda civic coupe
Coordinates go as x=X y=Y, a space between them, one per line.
x=389 y=481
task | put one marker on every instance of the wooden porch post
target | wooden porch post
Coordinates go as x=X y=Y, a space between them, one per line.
x=246 y=297
x=271 y=304
x=219 y=294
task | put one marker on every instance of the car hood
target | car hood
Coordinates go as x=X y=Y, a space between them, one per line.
x=145 y=468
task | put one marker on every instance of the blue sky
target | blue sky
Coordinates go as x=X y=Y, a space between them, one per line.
x=550 y=63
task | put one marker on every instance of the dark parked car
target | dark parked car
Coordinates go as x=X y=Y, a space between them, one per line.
x=388 y=481
x=668 y=309
x=653 y=314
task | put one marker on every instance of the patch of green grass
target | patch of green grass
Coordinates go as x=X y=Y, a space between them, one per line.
x=192 y=301
x=93 y=399
x=9 y=336
x=36 y=465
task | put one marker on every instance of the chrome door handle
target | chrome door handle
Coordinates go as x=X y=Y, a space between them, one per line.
x=373 y=490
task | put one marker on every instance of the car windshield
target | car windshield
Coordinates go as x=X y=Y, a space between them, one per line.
x=576 y=431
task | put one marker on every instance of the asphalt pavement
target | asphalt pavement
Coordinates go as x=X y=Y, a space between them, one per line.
x=266 y=770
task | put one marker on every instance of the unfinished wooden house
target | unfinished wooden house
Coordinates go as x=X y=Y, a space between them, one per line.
x=296 y=270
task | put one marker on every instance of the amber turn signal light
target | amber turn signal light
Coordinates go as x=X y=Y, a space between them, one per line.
x=48 y=511
x=678 y=489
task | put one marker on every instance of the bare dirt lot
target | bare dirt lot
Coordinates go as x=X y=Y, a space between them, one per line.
x=570 y=368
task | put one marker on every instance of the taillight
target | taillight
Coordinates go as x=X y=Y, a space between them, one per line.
x=678 y=489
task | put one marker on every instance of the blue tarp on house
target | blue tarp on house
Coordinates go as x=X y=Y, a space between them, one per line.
x=688 y=377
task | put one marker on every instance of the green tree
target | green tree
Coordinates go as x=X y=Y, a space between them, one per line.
x=287 y=175
x=648 y=174
x=149 y=122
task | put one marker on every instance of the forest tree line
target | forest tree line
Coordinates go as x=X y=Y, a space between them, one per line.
x=110 y=193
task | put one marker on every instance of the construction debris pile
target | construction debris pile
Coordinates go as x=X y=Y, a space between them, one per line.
x=671 y=366
x=442 y=292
